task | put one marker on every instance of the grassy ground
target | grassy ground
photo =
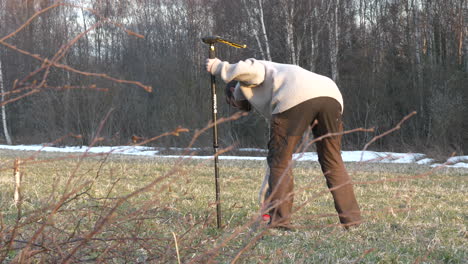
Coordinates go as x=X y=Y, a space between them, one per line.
x=146 y=210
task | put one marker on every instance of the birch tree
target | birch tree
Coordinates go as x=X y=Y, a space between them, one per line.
x=4 y=116
x=2 y=85
x=317 y=23
x=255 y=13
x=288 y=12
x=333 y=37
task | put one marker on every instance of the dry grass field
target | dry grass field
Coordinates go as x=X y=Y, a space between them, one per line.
x=115 y=209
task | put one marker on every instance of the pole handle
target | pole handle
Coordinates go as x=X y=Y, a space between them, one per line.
x=213 y=39
x=212 y=53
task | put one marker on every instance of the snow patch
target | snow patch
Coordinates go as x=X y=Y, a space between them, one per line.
x=348 y=156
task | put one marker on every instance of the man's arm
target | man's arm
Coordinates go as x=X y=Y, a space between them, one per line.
x=249 y=72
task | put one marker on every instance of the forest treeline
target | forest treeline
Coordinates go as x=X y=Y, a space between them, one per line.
x=389 y=58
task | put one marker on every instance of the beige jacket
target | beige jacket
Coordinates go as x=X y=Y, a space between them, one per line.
x=272 y=87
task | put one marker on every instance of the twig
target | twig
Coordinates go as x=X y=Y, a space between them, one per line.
x=177 y=247
x=30 y=20
x=397 y=127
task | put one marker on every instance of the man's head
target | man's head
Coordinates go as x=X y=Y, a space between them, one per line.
x=243 y=105
x=229 y=91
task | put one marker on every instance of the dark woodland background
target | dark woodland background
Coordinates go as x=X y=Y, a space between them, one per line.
x=389 y=58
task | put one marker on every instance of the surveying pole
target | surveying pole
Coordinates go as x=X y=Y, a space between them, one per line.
x=211 y=40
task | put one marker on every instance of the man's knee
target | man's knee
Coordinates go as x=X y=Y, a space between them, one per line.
x=281 y=175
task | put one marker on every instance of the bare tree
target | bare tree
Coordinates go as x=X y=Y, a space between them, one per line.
x=389 y=57
x=4 y=116
x=318 y=17
x=334 y=39
x=255 y=14
x=288 y=13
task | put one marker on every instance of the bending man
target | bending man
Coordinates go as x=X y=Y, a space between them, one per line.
x=292 y=98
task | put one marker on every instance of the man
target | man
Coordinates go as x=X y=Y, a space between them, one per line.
x=292 y=98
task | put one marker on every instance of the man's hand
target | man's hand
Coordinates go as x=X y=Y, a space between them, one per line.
x=209 y=64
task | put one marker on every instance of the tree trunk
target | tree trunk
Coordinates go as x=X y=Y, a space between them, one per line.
x=334 y=42
x=419 y=67
x=4 y=116
x=264 y=33
x=288 y=9
x=317 y=24
x=253 y=24
x=461 y=28
x=257 y=24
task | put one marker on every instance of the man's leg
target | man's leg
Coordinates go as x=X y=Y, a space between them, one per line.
x=329 y=153
x=286 y=131
x=281 y=183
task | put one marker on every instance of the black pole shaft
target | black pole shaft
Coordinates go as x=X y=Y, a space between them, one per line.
x=215 y=139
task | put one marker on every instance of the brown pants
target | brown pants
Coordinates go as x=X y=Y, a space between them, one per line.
x=287 y=129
